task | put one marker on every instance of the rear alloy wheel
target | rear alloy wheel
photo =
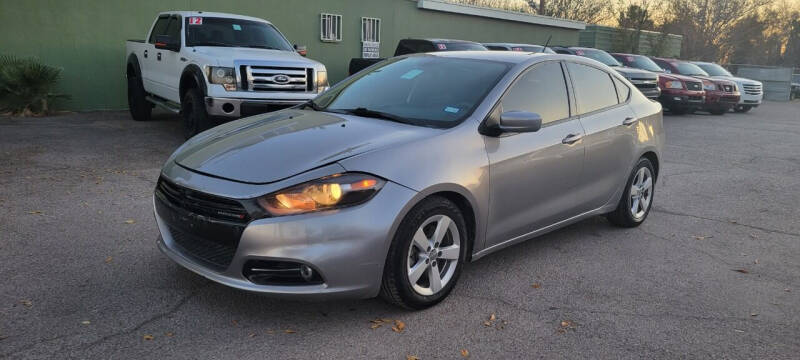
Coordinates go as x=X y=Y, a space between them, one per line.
x=426 y=255
x=742 y=108
x=635 y=204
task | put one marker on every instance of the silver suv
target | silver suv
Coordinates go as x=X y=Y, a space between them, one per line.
x=391 y=180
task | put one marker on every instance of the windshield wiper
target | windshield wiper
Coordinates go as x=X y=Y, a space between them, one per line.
x=361 y=111
x=262 y=47
x=213 y=43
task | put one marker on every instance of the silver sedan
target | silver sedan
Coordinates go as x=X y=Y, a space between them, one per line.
x=390 y=181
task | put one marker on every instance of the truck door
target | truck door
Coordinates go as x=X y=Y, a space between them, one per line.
x=166 y=74
x=147 y=59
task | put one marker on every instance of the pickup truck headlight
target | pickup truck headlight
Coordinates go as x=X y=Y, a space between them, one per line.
x=673 y=84
x=327 y=193
x=224 y=76
x=322 y=81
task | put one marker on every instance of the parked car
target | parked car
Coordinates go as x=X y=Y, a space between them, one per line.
x=204 y=65
x=750 y=91
x=413 y=46
x=382 y=184
x=679 y=94
x=518 y=47
x=645 y=81
x=721 y=95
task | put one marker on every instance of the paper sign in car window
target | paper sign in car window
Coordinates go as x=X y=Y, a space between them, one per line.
x=441 y=46
x=451 y=109
x=195 y=20
x=237 y=27
x=411 y=74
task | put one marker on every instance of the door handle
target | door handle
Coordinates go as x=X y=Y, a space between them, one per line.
x=145 y=54
x=571 y=139
x=158 y=55
x=629 y=121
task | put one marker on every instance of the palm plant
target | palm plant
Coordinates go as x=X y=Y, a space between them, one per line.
x=26 y=86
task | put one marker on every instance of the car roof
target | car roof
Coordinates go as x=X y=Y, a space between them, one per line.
x=439 y=40
x=185 y=13
x=511 y=44
x=512 y=57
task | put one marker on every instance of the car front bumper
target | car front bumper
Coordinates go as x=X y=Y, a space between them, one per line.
x=236 y=107
x=716 y=100
x=347 y=247
x=682 y=99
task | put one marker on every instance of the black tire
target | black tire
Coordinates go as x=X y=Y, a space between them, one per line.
x=195 y=117
x=678 y=110
x=140 y=108
x=622 y=216
x=718 y=111
x=395 y=286
x=742 y=108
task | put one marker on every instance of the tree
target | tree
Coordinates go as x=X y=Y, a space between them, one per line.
x=633 y=20
x=590 y=11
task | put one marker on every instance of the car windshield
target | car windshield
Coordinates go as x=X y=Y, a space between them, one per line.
x=460 y=46
x=690 y=69
x=429 y=91
x=643 y=62
x=714 y=70
x=598 y=55
x=215 y=31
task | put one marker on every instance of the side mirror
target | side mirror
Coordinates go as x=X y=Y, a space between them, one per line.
x=301 y=49
x=519 y=121
x=166 y=42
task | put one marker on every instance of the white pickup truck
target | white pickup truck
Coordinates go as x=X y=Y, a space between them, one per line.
x=205 y=65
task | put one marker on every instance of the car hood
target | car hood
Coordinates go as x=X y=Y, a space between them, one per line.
x=673 y=76
x=739 y=80
x=276 y=146
x=226 y=55
x=633 y=73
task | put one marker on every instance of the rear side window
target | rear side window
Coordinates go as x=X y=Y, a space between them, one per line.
x=542 y=90
x=160 y=28
x=623 y=91
x=594 y=89
x=495 y=47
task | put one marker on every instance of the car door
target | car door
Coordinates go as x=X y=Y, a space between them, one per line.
x=166 y=69
x=610 y=132
x=533 y=175
x=148 y=56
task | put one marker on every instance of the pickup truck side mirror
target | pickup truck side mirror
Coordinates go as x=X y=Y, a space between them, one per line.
x=520 y=121
x=166 y=42
x=301 y=49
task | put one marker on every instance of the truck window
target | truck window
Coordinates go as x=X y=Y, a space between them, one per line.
x=215 y=31
x=174 y=28
x=159 y=28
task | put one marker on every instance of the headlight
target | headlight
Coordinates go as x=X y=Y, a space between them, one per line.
x=224 y=76
x=673 y=84
x=330 y=192
x=709 y=86
x=322 y=81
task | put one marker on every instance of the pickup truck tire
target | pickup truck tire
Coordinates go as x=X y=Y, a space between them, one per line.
x=742 y=108
x=140 y=108
x=195 y=117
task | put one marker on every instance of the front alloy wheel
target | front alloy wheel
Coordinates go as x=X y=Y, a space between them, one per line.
x=433 y=255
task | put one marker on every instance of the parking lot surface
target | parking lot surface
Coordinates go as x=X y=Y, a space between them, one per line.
x=713 y=272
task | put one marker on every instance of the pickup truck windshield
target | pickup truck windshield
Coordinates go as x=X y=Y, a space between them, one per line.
x=690 y=69
x=215 y=31
x=644 y=63
x=428 y=91
x=714 y=70
x=461 y=46
x=599 y=55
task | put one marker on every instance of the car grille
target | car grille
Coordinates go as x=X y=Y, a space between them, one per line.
x=645 y=83
x=695 y=86
x=277 y=78
x=216 y=255
x=752 y=89
x=203 y=204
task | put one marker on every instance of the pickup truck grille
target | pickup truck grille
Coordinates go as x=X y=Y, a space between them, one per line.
x=695 y=86
x=645 y=83
x=752 y=89
x=277 y=78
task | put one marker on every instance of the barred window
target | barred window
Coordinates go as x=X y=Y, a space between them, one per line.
x=370 y=29
x=330 y=27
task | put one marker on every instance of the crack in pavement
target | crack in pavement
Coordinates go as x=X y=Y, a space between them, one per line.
x=754 y=227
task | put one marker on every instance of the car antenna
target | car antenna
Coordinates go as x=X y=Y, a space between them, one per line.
x=547 y=43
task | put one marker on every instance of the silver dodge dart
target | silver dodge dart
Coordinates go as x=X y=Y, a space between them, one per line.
x=389 y=182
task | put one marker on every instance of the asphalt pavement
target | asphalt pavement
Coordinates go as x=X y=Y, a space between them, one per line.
x=713 y=273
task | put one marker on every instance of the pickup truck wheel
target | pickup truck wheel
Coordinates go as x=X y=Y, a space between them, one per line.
x=742 y=108
x=195 y=117
x=139 y=107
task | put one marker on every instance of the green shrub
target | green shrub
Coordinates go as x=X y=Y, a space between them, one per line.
x=26 y=86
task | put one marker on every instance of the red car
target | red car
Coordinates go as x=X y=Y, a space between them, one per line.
x=679 y=94
x=721 y=95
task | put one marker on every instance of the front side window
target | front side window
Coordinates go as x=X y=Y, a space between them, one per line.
x=174 y=28
x=421 y=90
x=160 y=28
x=594 y=89
x=213 y=31
x=541 y=90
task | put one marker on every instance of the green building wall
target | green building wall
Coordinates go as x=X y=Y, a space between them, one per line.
x=86 y=38
x=625 y=40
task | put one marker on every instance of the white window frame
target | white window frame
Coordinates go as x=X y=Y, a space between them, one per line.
x=370 y=29
x=330 y=27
